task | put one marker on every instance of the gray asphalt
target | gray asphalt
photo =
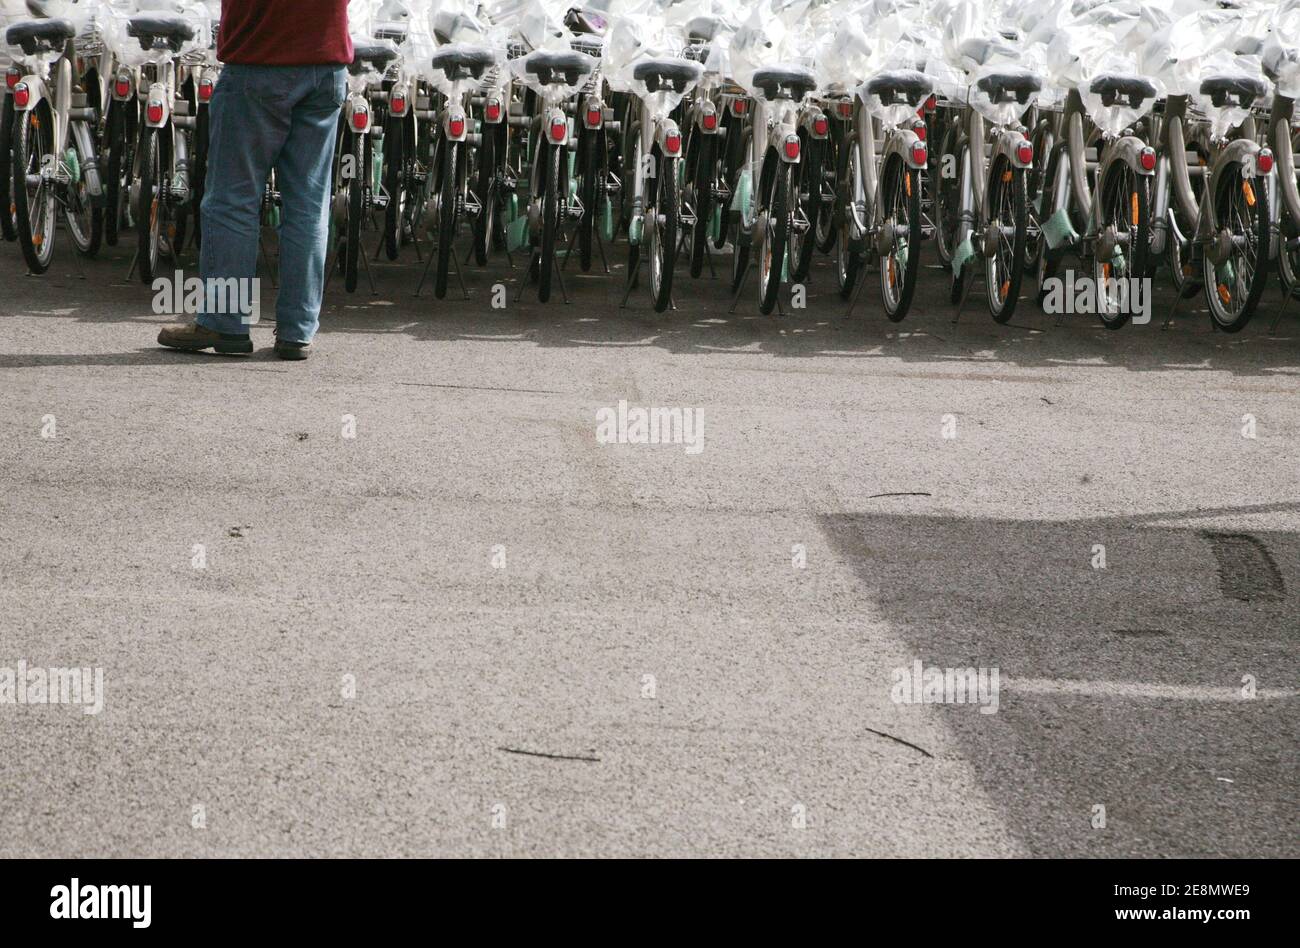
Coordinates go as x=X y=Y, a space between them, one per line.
x=771 y=729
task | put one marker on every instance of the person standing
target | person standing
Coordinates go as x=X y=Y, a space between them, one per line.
x=276 y=106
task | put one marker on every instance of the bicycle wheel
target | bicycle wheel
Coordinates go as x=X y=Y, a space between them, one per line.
x=551 y=159
x=740 y=240
x=448 y=209
x=491 y=163
x=151 y=209
x=83 y=217
x=776 y=240
x=35 y=204
x=666 y=214
x=734 y=150
x=1234 y=285
x=8 y=228
x=901 y=207
x=808 y=198
x=702 y=168
x=394 y=184
x=848 y=252
x=1009 y=214
x=947 y=196
x=199 y=171
x=356 y=207
x=826 y=230
x=591 y=161
x=1125 y=219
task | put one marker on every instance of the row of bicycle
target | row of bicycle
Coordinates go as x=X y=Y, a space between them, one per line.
x=1021 y=137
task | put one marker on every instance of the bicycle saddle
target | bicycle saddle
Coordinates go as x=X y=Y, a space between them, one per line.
x=903 y=86
x=393 y=30
x=1245 y=89
x=378 y=55
x=464 y=62
x=980 y=49
x=1133 y=88
x=590 y=22
x=552 y=67
x=1005 y=86
x=796 y=81
x=160 y=31
x=703 y=29
x=677 y=73
x=32 y=35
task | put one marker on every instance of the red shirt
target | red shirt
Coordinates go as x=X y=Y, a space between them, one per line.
x=284 y=32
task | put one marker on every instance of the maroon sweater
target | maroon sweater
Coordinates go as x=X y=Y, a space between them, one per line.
x=284 y=32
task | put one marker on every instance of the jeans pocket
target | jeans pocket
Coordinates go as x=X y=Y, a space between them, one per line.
x=338 y=86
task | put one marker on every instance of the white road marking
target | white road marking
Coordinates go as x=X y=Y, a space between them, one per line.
x=1140 y=689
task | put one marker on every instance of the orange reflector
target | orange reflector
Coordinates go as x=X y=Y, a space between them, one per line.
x=1006 y=288
x=907 y=183
x=38 y=240
x=1105 y=271
x=1133 y=208
x=1006 y=176
x=1225 y=295
x=893 y=273
x=1247 y=190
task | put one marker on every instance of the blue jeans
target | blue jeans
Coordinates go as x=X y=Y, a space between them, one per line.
x=262 y=118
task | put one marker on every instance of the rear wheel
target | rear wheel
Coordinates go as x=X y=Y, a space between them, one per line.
x=947 y=196
x=1235 y=284
x=8 y=230
x=550 y=219
x=901 y=210
x=34 y=201
x=780 y=205
x=1009 y=215
x=1125 y=218
x=741 y=240
x=356 y=185
x=448 y=208
x=809 y=198
x=84 y=218
x=703 y=169
x=394 y=184
x=663 y=233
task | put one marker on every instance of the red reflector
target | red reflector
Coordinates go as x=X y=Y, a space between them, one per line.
x=792 y=148
x=205 y=91
x=738 y=106
x=456 y=126
x=846 y=109
x=710 y=121
x=593 y=118
x=493 y=111
x=123 y=88
x=821 y=126
x=1025 y=153
x=920 y=130
x=559 y=130
x=360 y=120
x=22 y=95
x=1264 y=162
x=1148 y=159
x=920 y=154
x=398 y=104
x=931 y=104
x=12 y=77
x=672 y=143
x=154 y=113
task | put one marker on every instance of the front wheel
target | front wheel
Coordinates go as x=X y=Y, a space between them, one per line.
x=448 y=206
x=7 y=228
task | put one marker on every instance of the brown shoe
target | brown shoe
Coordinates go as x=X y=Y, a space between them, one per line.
x=295 y=351
x=195 y=338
